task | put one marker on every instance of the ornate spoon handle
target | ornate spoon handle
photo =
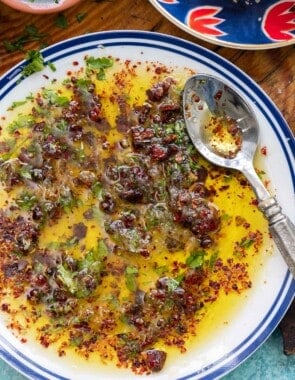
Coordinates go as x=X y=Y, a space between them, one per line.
x=281 y=229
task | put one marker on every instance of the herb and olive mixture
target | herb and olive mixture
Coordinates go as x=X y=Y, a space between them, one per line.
x=111 y=225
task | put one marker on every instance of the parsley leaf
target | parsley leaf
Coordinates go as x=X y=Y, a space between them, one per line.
x=22 y=121
x=61 y=21
x=196 y=259
x=36 y=63
x=80 y=16
x=17 y=104
x=98 y=66
x=130 y=278
x=29 y=34
x=26 y=201
x=55 y=99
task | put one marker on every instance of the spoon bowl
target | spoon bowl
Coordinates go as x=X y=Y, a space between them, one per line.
x=224 y=129
x=206 y=96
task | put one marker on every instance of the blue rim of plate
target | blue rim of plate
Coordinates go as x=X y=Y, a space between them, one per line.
x=242 y=24
x=246 y=85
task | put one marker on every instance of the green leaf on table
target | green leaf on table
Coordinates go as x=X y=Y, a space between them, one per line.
x=61 y=21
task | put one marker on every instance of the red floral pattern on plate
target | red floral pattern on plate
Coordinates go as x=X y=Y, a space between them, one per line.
x=279 y=21
x=203 y=20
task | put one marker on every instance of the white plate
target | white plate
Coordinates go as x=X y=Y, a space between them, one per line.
x=274 y=289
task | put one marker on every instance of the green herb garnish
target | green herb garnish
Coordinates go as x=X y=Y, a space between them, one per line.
x=246 y=243
x=22 y=121
x=196 y=259
x=172 y=284
x=36 y=63
x=17 y=104
x=29 y=34
x=26 y=201
x=55 y=99
x=98 y=66
x=80 y=16
x=61 y=21
x=130 y=278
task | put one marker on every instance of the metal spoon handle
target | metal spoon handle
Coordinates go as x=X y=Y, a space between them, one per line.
x=281 y=229
x=280 y=226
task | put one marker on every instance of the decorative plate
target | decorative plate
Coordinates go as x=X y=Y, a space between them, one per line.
x=40 y=6
x=243 y=24
x=274 y=288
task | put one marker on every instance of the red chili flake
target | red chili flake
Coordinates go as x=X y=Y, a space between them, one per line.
x=144 y=253
x=5 y=307
x=44 y=340
x=196 y=98
x=224 y=187
x=243 y=182
x=75 y=63
x=266 y=183
x=263 y=150
x=218 y=95
x=23 y=340
x=160 y=70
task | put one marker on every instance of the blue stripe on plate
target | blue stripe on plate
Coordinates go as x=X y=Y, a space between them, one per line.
x=250 y=349
x=248 y=87
x=23 y=364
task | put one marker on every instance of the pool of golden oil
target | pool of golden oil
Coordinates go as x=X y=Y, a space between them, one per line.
x=220 y=138
x=233 y=200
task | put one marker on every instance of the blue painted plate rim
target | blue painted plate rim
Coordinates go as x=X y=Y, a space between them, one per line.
x=217 y=41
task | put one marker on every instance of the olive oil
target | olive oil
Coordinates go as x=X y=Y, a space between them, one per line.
x=223 y=136
x=242 y=236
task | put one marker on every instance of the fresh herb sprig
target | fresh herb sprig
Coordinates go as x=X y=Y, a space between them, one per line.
x=29 y=34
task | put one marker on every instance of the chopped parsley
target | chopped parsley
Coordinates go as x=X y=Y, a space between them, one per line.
x=36 y=63
x=61 y=21
x=29 y=34
x=18 y=104
x=55 y=99
x=80 y=16
x=98 y=65
x=130 y=278
x=196 y=259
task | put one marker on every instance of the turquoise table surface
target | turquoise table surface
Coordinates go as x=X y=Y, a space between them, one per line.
x=267 y=363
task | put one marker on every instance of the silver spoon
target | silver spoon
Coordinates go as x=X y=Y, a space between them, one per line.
x=211 y=106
